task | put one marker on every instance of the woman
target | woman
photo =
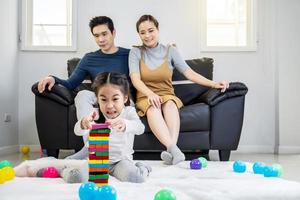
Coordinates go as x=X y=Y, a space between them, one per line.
x=151 y=66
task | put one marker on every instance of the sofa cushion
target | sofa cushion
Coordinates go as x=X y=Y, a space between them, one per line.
x=194 y=117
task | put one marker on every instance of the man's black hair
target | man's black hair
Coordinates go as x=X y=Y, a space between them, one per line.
x=100 y=20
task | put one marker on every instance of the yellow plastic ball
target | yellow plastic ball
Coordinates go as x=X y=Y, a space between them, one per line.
x=2 y=179
x=25 y=149
x=25 y=157
x=8 y=173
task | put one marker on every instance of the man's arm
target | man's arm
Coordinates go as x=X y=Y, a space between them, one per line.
x=72 y=82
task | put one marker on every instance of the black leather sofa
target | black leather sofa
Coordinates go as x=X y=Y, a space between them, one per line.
x=210 y=120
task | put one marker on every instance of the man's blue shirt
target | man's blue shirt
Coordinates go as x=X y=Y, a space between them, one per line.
x=94 y=63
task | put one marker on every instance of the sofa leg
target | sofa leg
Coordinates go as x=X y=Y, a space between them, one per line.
x=224 y=155
x=52 y=152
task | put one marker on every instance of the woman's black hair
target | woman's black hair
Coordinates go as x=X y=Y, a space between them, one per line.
x=146 y=18
x=113 y=78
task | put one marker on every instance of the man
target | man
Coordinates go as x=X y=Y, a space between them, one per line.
x=109 y=58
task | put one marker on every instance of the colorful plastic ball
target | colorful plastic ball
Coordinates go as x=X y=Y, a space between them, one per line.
x=203 y=162
x=258 y=167
x=2 y=179
x=87 y=191
x=165 y=194
x=5 y=163
x=7 y=173
x=279 y=169
x=239 y=166
x=25 y=149
x=106 y=192
x=50 y=172
x=270 y=171
x=195 y=164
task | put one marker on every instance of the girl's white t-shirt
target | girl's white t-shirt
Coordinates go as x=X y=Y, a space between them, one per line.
x=120 y=143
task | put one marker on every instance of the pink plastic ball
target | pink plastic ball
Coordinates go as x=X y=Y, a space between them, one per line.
x=50 y=172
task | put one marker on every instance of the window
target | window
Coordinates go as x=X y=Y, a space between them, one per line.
x=228 y=25
x=48 y=25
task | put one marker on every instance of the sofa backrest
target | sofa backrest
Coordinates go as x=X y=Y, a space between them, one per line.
x=187 y=91
x=71 y=65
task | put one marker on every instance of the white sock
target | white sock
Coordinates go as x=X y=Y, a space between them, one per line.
x=80 y=155
x=144 y=169
x=22 y=169
x=166 y=157
x=178 y=156
x=71 y=175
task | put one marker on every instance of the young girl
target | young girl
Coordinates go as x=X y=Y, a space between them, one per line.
x=151 y=66
x=112 y=92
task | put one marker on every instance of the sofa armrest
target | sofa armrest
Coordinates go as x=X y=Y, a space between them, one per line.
x=58 y=93
x=214 y=96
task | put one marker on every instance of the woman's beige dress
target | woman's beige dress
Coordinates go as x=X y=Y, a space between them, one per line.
x=159 y=81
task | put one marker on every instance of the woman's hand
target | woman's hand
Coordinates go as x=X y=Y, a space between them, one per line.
x=117 y=124
x=223 y=85
x=154 y=100
x=86 y=122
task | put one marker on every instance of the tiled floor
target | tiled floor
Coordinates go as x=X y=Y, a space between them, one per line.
x=290 y=163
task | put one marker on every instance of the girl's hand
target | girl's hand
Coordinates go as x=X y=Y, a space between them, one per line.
x=155 y=100
x=86 y=122
x=117 y=124
x=223 y=85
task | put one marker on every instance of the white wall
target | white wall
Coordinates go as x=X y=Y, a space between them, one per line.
x=8 y=72
x=179 y=22
x=288 y=75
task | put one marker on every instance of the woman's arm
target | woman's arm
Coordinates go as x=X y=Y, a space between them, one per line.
x=140 y=85
x=201 y=80
x=198 y=78
x=153 y=98
x=134 y=71
x=190 y=74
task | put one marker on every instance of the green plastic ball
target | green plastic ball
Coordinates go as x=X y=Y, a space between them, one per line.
x=279 y=169
x=203 y=162
x=5 y=163
x=165 y=194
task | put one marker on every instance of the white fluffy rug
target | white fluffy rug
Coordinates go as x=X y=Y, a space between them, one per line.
x=216 y=182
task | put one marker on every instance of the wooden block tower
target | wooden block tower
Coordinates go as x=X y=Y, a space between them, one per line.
x=99 y=154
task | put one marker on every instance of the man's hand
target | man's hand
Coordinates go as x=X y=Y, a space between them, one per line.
x=117 y=124
x=86 y=122
x=49 y=80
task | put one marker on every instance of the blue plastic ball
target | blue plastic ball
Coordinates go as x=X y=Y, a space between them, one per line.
x=106 y=192
x=239 y=166
x=87 y=191
x=195 y=164
x=258 y=167
x=270 y=171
